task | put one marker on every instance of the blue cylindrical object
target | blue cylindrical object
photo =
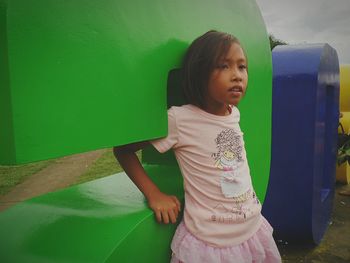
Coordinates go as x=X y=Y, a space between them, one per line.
x=305 y=117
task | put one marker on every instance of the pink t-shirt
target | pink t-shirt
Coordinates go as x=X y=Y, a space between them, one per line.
x=221 y=207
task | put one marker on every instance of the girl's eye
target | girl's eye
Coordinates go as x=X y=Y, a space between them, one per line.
x=223 y=66
x=242 y=67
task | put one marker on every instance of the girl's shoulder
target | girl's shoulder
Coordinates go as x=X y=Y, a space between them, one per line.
x=180 y=110
x=182 y=107
x=185 y=112
x=192 y=112
x=235 y=111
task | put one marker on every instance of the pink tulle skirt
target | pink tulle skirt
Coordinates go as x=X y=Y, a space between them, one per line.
x=260 y=248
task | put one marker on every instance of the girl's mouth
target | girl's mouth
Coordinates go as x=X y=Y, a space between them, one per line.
x=236 y=91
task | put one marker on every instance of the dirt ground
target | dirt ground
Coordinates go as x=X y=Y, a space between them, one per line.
x=334 y=247
x=61 y=174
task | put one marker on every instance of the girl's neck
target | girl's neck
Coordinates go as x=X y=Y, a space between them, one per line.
x=223 y=110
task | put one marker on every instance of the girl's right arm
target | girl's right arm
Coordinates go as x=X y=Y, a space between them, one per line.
x=166 y=207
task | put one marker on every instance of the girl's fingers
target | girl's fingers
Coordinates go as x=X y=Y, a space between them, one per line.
x=172 y=216
x=176 y=212
x=165 y=217
x=177 y=202
x=158 y=216
x=168 y=211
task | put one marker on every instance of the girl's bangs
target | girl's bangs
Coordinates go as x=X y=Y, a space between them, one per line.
x=222 y=50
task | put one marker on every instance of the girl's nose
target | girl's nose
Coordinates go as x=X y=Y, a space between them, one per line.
x=236 y=75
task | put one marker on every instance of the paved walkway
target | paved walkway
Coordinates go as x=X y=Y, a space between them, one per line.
x=61 y=174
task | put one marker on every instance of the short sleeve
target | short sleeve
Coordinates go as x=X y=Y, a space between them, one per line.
x=170 y=141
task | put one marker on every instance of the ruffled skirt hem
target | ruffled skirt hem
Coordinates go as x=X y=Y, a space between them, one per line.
x=260 y=248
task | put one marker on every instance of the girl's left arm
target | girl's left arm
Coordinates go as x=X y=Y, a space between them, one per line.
x=166 y=207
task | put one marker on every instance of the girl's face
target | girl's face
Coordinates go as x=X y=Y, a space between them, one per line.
x=228 y=82
x=229 y=155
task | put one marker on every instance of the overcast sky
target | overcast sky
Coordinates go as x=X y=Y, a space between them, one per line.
x=310 y=21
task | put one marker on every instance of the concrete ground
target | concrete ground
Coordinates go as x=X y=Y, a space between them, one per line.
x=334 y=247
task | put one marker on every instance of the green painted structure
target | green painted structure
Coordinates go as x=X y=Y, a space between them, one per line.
x=105 y=220
x=81 y=75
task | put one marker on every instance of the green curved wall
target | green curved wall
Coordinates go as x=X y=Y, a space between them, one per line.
x=79 y=76
x=105 y=220
x=83 y=75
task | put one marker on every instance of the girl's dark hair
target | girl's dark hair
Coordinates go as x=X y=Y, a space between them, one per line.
x=202 y=56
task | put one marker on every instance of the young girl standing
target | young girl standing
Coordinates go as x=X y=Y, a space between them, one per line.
x=222 y=222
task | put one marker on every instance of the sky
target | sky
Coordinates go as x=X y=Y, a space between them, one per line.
x=310 y=21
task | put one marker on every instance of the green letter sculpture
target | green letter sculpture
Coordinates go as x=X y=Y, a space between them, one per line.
x=81 y=75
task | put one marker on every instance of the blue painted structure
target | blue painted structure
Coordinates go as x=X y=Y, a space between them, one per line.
x=305 y=117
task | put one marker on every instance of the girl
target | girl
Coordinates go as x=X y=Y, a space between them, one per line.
x=222 y=222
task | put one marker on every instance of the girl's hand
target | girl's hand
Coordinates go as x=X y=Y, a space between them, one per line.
x=166 y=207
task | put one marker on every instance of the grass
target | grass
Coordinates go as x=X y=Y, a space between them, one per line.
x=10 y=176
x=104 y=166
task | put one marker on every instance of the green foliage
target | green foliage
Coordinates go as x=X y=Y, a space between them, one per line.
x=10 y=176
x=344 y=154
x=275 y=42
x=343 y=148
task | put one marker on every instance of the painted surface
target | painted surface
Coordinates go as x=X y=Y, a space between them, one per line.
x=106 y=220
x=343 y=171
x=85 y=76
x=304 y=146
x=79 y=76
x=345 y=88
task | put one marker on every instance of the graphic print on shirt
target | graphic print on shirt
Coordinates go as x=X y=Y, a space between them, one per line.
x=234 y=180
x=232 y=214
x=237 y=212
x=227 y=159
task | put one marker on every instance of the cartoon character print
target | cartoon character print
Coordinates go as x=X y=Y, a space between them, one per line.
x=227 y=159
